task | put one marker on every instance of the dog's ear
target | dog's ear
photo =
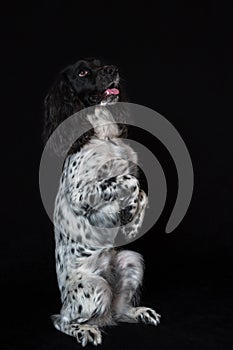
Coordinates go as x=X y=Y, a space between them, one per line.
x=60 y=103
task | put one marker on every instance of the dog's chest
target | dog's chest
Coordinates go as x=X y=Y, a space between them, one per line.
x=97 y=161
x=101 y=159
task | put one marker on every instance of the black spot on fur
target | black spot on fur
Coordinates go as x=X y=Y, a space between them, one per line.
x=130 y=265
x=86 y=208
x=80 y=309
x=107 y=196
x=103 y=187
x=80 y=285
x=85 y=254
x=110 y=181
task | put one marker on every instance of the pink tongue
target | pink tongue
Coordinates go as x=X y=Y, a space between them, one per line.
x=113 y=91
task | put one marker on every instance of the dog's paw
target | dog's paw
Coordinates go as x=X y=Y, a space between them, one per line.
x=127 y=186
x=88 y=334
x=136 y=216
x=147 y=315
x=130 y=232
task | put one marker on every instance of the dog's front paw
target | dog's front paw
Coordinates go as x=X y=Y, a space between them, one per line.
x=134 y=217
x=147 y=315
x=127 y=186
x=130 y=231
x=88 y=334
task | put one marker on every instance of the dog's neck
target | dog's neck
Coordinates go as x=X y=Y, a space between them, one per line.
x=103 y=123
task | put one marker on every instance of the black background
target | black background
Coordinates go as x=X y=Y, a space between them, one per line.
x=175 y=58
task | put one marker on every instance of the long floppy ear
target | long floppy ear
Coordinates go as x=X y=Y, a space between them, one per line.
x=60 y=103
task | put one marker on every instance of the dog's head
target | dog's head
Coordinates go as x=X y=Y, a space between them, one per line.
x=94 y=83
x=83 y=84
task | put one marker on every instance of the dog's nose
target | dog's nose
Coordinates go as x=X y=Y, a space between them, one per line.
x=111 y=70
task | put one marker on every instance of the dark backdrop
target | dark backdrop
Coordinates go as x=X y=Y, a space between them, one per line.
x=175 y=58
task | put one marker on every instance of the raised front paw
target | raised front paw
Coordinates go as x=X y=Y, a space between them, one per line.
x=136 y=215
x=130 y=231
x=88 y=334
x=147 y=315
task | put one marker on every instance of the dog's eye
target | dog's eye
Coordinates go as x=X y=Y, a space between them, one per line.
x=83 y=73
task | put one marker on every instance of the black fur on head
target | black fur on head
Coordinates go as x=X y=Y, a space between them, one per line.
x=83 y=84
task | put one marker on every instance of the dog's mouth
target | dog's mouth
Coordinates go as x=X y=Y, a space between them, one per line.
x=111 y=94
x=111 y=90
x=107 y=93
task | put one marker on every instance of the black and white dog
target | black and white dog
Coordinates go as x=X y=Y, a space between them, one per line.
x=97 y=192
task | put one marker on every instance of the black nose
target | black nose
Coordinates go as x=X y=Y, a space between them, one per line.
x=111 y=70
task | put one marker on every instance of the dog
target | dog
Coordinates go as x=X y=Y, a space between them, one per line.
x=99 y=192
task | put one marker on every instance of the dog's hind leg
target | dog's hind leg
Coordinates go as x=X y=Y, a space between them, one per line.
x=86 y=306
x=129 y=274
x=129 y=271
